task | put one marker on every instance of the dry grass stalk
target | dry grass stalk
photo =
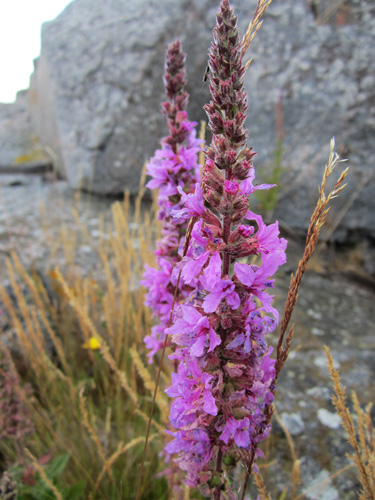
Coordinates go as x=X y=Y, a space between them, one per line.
x=121 y=448
x=21 y=301
x=295 y=476
x=112 y=312
x=254 y=26
x=259 y=483
x=317 y=220
x=361 y=438
x=146 y=418
x=103 y=346
x=93 y=434
x=24 y=342
x=41 y=302
x=161 y=400
x=44 y=477
x=202 y=136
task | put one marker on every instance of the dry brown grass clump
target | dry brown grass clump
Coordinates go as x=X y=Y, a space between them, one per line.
x=79 y=344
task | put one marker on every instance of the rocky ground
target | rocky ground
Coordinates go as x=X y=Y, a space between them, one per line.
x=35 y=215
x=336 y=308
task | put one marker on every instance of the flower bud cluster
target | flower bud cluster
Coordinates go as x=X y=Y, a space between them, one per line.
x=15 y=418
x=174 y=171
x=225 y=372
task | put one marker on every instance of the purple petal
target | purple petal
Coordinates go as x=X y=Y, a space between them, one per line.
x=192 y=268
x=236 y=342
x=209 y=403
x=244 y=273
x=212 y=301
x=197 y=349
x=212 y=273
x=214 y=338
x=233 y=300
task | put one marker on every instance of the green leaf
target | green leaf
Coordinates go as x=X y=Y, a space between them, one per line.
x=75 y=492
x=57 y=466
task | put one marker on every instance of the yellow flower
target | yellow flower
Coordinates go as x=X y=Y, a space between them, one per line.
x=92 y=344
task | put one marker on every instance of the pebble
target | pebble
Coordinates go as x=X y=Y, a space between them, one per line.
x=293 y=423
x=317 y=331
x=321 y=488
x=329 y=419
x=314 y=314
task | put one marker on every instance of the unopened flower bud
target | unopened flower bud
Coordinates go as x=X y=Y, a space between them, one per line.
x=245 y=231
x=226 y=322
x=241 y=170
x=240 y=208
x=229 y=128
x=230 y=157
x=226 y=206
x=225 y=87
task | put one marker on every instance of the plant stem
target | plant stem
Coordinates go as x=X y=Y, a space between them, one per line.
x=226 y=234
x=219 y=463
x=248 y=474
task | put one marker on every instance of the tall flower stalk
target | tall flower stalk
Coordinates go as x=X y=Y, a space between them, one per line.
x=225 y=371
x=174 y=170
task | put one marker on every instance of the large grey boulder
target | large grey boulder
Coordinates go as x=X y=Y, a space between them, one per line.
x=324 y=68
x=101 y=85
x=97 y=90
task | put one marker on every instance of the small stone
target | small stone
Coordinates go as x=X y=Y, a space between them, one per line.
x=329 y=419
x=319 y=392
x=314 y=314
x=321 y=489
x=317 y=331
x=293 y=423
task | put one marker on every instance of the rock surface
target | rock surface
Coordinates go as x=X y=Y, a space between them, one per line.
x=15 y=131
x=96 y=92
x=99 y=83
x=323 y=68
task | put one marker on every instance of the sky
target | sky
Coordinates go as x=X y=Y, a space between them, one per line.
x=20 y=26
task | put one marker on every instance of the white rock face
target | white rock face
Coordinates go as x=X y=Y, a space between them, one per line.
x=97 y=89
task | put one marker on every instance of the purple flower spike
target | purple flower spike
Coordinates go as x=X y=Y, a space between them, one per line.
x=225 y=370
x=174 y=171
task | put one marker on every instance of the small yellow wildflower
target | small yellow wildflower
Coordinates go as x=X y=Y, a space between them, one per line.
x=92 y=344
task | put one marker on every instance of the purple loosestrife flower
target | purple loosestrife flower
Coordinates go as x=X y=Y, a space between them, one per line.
x=225 y=372
x=15 y=421
x=174 y=171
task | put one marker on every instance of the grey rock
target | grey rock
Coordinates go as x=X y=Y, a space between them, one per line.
x=15 y=131
x=97 y=85
x=329 y=419
x=96 y=92
x=293 y=423
x=321 y=488
x=324 y=74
